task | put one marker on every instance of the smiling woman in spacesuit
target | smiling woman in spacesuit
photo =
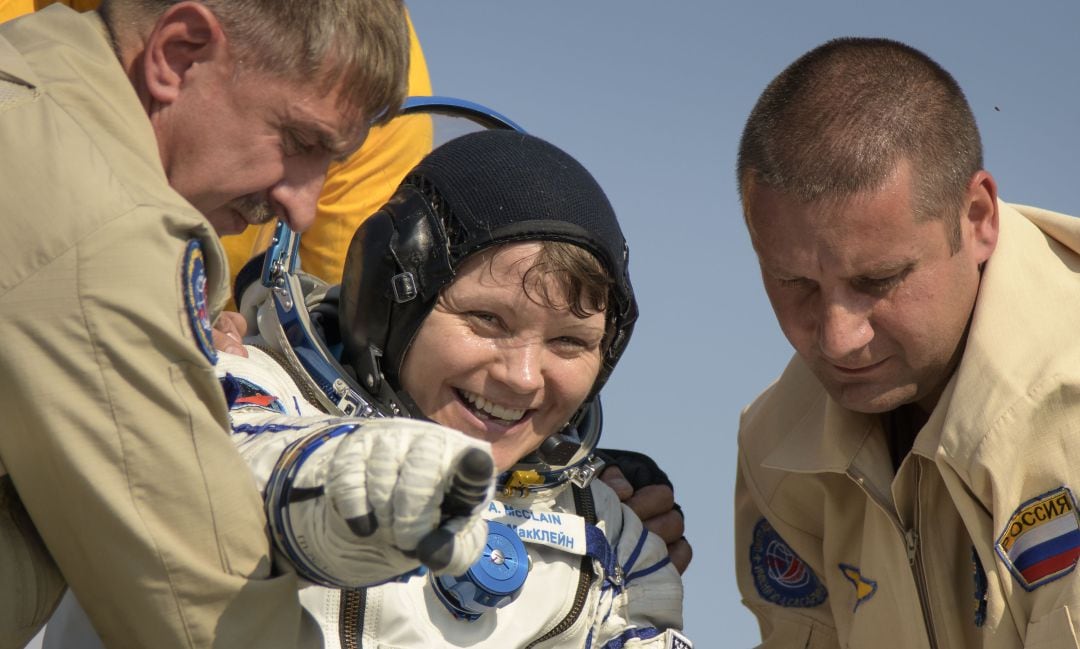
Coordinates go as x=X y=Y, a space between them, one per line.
x=490 y=295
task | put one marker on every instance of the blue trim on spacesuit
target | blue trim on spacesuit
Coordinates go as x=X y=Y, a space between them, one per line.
x=631 y=576
x=644 y=572
x=598 y=547
x=278 y=491
x=637 y=550
x=644 y=633
x=257 y=429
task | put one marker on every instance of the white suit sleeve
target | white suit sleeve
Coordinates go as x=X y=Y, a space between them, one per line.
x=353 y=502
x=641 y=597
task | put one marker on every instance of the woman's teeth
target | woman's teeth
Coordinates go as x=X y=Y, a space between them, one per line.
x=493 y=409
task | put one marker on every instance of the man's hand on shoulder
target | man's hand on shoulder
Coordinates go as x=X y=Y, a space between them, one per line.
x=645 y=488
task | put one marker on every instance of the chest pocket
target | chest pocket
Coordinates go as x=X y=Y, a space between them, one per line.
x=13 y=95
x=782 y=628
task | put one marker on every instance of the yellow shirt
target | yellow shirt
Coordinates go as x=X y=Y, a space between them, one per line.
x=14 y=8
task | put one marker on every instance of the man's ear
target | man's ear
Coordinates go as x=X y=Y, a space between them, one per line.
x=186 y=34
x=980 y=219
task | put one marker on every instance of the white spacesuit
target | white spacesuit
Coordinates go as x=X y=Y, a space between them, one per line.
x=595 y=572
x=593 y=576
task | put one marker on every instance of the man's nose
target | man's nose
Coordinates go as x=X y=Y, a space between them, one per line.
x=843 y=329
x=297 y=194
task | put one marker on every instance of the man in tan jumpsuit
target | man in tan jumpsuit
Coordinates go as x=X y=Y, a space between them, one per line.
x=125 y=143
x=910 y=480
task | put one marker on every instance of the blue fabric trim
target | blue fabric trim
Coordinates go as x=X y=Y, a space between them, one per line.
x=597 y=547
x=277 y=499
x=253 y=429
x=644 y=633
x=637 y=550
x=231 y=387
x=648 y=571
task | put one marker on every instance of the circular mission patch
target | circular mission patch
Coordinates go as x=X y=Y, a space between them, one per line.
x=781 y=577
x=195 y=298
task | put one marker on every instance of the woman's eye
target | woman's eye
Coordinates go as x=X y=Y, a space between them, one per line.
x=573 y=344
x=485 y=320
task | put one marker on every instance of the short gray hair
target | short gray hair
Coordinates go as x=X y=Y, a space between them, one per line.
x=360 y=45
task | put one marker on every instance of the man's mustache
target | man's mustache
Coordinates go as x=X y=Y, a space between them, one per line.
x=253 y=209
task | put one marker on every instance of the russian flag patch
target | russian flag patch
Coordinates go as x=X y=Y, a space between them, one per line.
x=1041 y=541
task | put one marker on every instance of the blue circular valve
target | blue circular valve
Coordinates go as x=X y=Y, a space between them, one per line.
x=492 y=582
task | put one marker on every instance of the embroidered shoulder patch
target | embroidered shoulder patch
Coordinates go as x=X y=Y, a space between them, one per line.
x=864 y=588
x=1041 y=540
x=241 y=394
x=196 y=301
x=781 y=577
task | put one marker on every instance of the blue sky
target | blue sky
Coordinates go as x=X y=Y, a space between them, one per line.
x=651 y=97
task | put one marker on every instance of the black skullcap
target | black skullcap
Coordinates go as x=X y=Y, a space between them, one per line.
x=479 y=190
x=506 y=186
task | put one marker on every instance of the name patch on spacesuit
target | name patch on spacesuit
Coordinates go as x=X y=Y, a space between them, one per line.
x=676 y=640
x=780 y=575
x=559 y=530
x=1041 y=540
x=195 y=299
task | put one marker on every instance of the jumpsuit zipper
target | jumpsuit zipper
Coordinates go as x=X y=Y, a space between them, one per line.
x=911 y=545
x=915 y=559
x=301 y=381
x=583 y=503
x=351 y=618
